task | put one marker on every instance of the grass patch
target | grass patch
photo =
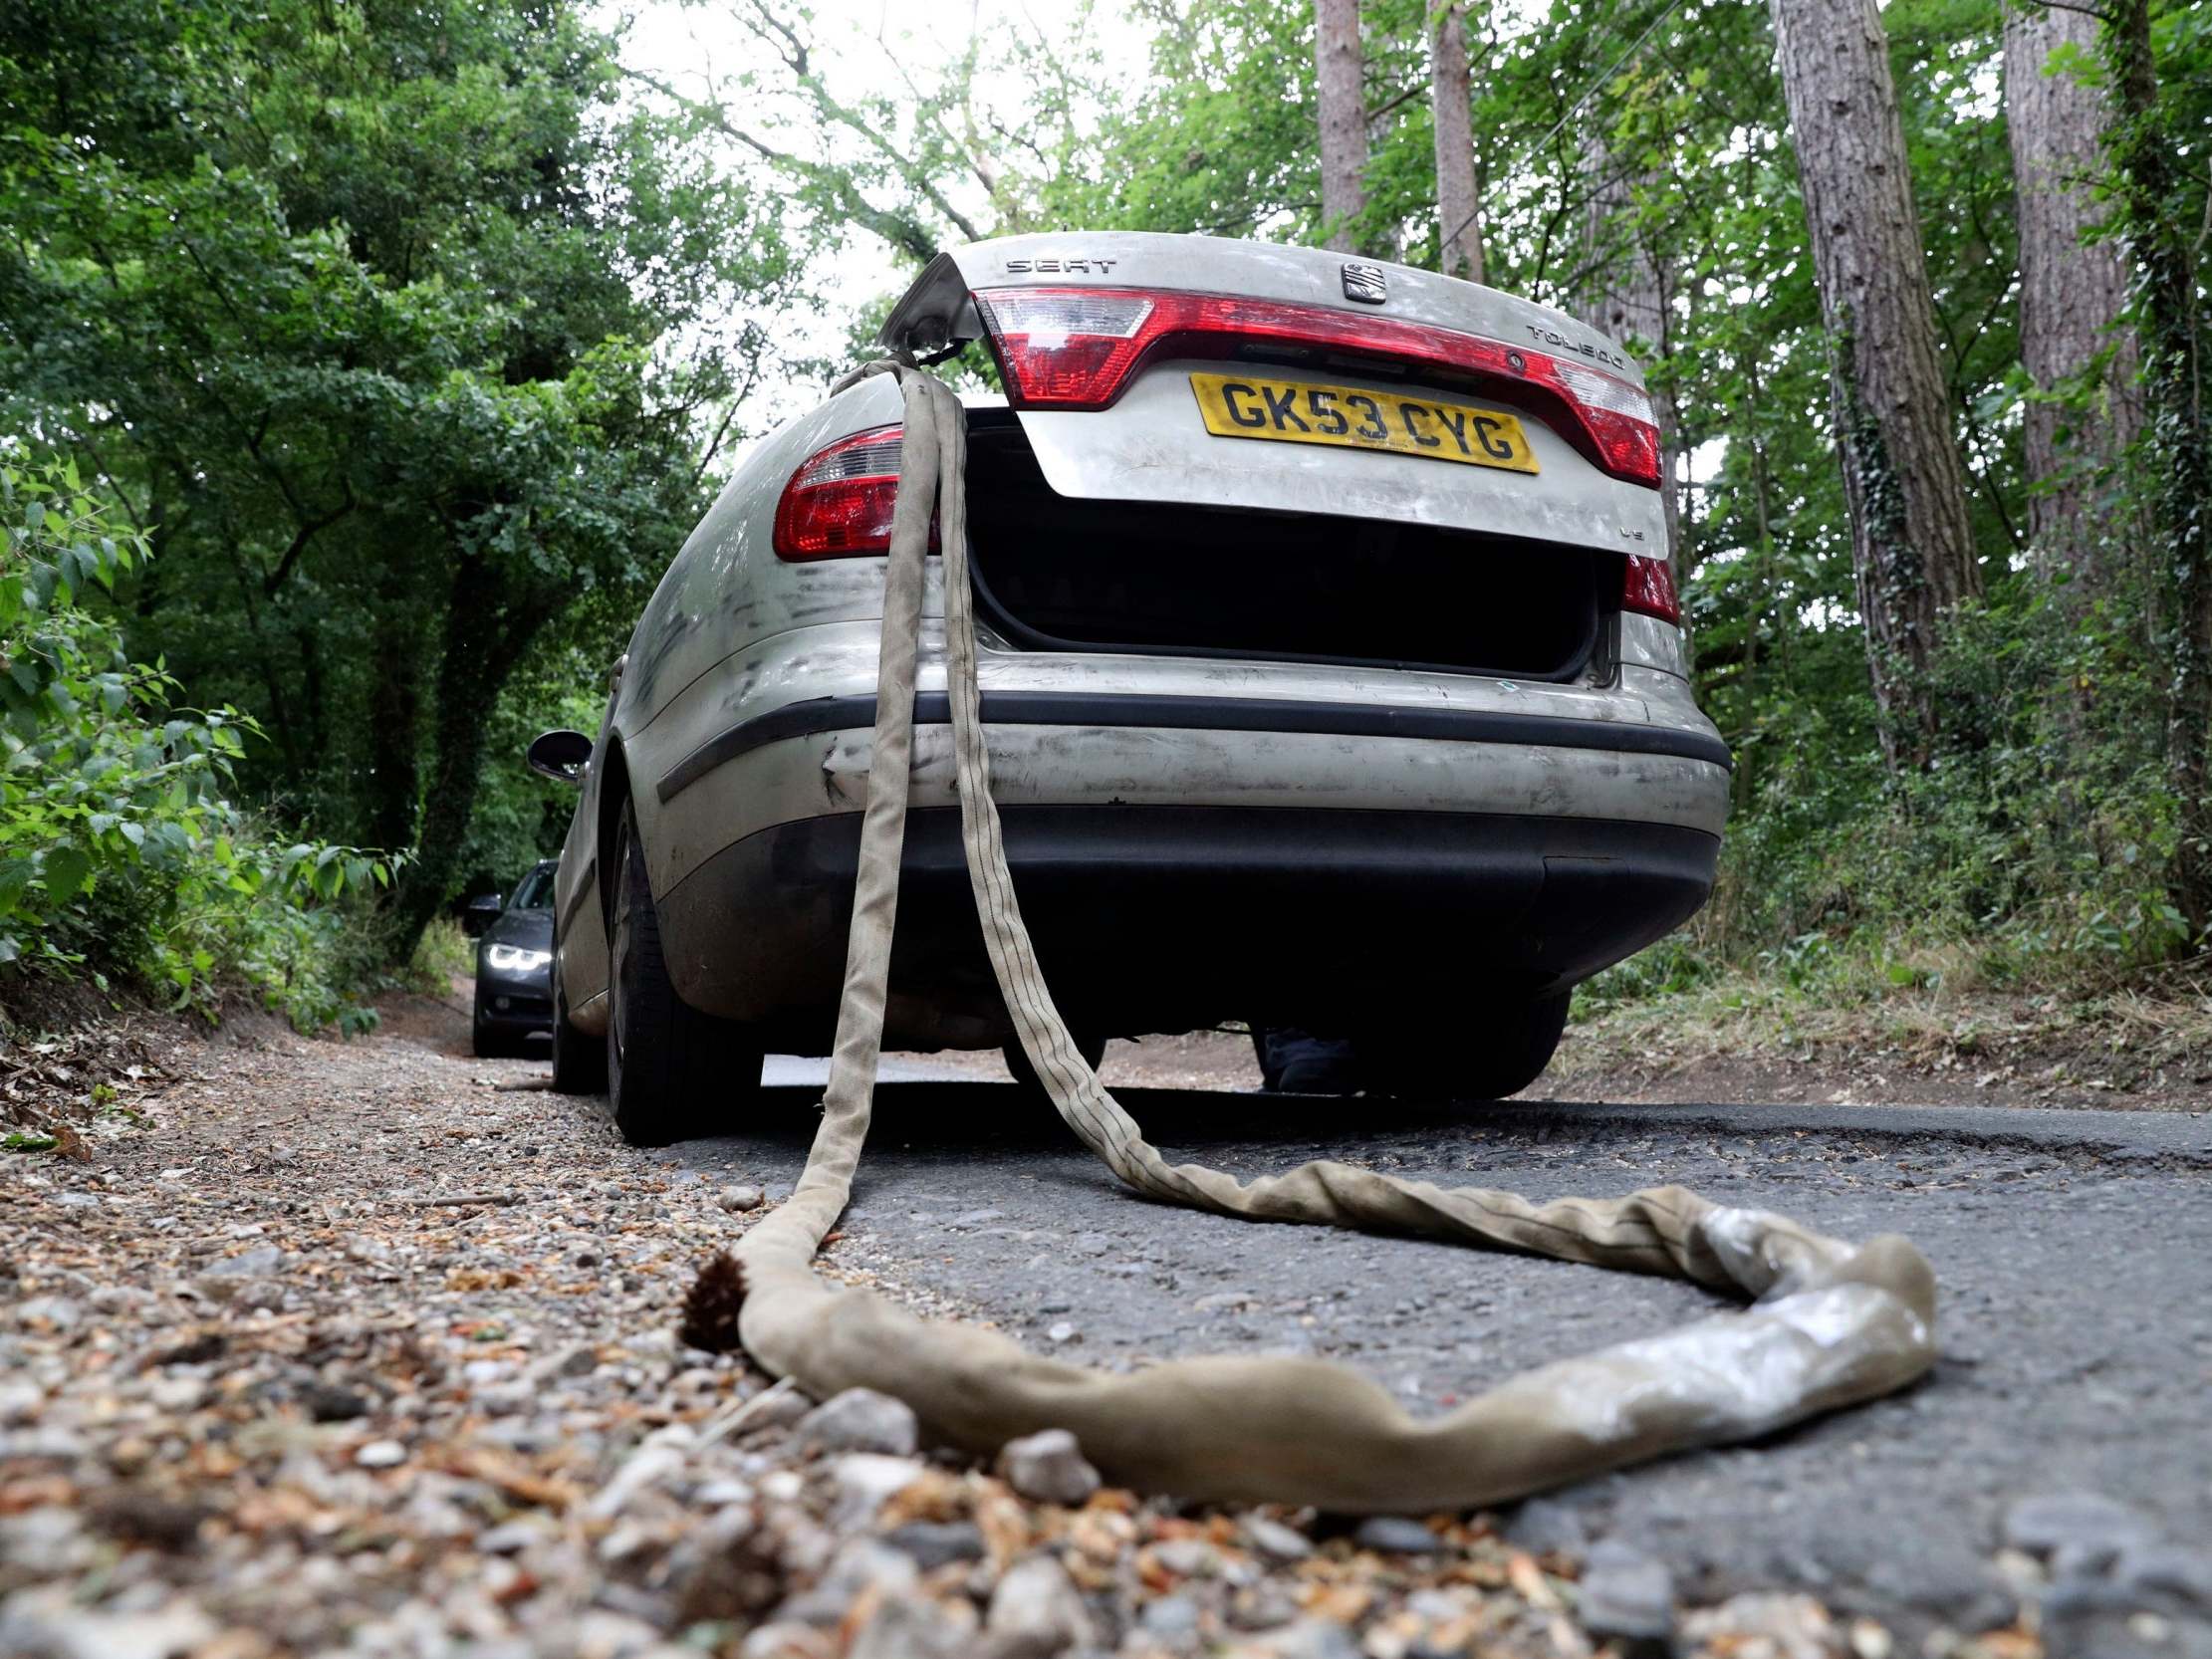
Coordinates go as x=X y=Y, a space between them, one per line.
x=1930 y=1006
x=443 y=954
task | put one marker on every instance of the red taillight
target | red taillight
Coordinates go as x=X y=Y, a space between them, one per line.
x=1070 y=348
x=840 y=502
x=1079 y=347
x=1617 y=416
x=1650 y=589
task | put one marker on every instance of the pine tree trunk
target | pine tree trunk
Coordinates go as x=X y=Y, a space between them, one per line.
x=1457 y=202
x=2071 y=289
x=1340 y=74
x=1626 y=293
x=2147 y=158
x=1912 y=544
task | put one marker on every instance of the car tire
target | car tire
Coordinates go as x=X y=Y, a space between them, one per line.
x=1271 y=1074
x=1092 y=1050
x=578 y=1061
x=1294 y=1060
x=672 y=1073
x=1495 y=1053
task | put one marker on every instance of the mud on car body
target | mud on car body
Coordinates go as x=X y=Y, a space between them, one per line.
x=1329 y=652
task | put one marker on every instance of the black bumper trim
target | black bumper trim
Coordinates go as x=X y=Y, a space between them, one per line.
x=1167 y=918
x=1201 y=714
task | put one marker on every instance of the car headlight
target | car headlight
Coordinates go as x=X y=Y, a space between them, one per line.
x=513 y=959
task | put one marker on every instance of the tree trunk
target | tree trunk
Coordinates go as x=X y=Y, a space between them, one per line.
x=484 y=640
x=394 y=727
x=1913 y=545
x=1626 y=293
x=2177 y=449
x=2072 y=290
x=1458 y=205
x=1340 y=75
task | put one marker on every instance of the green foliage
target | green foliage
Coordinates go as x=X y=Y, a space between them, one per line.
x=443 y=954
x=2162 y=197
x=2039 y=847
x=519 y=816
x=408 y=340
x=123 y=849
x=2035 y=855
x=411 y=335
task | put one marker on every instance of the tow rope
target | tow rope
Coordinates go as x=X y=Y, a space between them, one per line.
x=1828 y=1323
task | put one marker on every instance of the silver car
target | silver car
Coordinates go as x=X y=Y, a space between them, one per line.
x=1329 y=652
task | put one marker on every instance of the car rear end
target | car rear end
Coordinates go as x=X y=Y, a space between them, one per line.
x=1330 y=658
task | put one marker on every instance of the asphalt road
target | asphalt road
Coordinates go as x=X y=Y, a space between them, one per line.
x=2074 y=1250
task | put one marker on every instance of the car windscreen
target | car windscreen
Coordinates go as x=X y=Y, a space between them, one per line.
x=536 y=891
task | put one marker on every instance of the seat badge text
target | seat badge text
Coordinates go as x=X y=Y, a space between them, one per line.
x=1059 y=267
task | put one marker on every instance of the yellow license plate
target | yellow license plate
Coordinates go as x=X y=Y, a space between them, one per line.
x=1297 y=412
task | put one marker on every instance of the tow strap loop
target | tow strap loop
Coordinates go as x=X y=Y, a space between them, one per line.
x=1828 y=1324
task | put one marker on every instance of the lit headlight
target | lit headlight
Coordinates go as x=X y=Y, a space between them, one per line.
x=513 y=959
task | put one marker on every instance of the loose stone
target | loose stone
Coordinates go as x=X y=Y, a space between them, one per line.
x=1626 y=1594
x=1395 y=1535
x=1049 y=1467
x=935 y=1543
x=861 y=1420
x=2090 y=1530
x=381 y=1454
x=1035 y=1611
x=1276 y=1541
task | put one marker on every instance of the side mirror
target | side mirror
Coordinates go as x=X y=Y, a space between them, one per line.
x=561 y=756
x=482 y=911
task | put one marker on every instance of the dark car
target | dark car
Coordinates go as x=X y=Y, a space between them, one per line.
x=514 y=967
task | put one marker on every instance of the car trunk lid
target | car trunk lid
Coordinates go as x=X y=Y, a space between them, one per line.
x=1113 y=344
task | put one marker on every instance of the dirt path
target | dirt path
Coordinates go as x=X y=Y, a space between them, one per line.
x=364 y=1347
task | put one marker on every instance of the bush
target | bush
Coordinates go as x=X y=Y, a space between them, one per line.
x=121 y=850
x=443 y=954
x=2034 y=851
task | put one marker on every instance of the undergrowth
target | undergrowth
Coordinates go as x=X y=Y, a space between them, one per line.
x=123 y=856
x=2031 y=859
x=443 y=954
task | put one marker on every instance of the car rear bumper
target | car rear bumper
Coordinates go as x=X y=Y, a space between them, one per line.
x=787 y=735
x=1170 y=917
x=1257 y=716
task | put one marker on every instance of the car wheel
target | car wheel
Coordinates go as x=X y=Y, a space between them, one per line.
x=1296 y=1061
x=1489 y=1055
x=1092 y=1050
x=1271 y=1074
x=579 y=1062
x=672 y=1073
